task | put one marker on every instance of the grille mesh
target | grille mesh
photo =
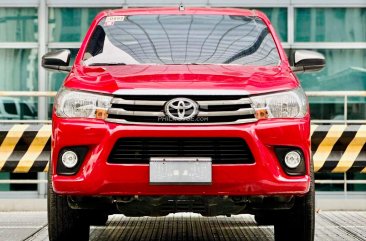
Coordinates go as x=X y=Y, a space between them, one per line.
x=221 y=150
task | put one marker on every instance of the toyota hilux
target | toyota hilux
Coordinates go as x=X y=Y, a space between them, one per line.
x=168 y=110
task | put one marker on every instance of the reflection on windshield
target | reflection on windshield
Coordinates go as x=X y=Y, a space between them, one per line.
x=181 y=39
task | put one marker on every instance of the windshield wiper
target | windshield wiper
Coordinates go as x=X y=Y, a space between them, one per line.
x=106 y=64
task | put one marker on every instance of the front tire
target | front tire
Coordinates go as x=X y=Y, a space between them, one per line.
x=64 y=223
x=299 y=222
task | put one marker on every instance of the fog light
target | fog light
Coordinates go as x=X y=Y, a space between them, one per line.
x=293 y=159
x=69 y=159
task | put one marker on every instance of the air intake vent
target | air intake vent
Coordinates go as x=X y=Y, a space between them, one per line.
x=221 y=150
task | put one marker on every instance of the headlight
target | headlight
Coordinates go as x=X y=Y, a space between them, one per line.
x=289 y=104
x=70 y=103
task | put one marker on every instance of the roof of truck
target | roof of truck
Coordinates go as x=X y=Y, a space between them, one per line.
x=187 y=10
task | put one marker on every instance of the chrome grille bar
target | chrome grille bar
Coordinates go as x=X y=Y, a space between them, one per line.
x=115 y=111
x=242 y=101
x=247 y=111
x=148 y=107
x=241 y=121
x=121 y=101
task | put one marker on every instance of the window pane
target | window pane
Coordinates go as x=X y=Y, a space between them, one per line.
x=18 y=68
x=5 y=176
x=70 y=24
x=356 y=176
x=18 y=186
x=18 y=24
x=278 y=17
x=345 y=70
x=329 y=187
x=356 y=108
x=327 y=108
x=330 y=24
x=18 y=108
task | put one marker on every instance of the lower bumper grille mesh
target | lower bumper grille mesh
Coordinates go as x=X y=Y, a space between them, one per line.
x=221 y=150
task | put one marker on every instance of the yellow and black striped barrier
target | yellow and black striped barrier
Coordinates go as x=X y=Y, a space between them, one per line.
x=336 y=148
x=339 y=148
x=25 y=148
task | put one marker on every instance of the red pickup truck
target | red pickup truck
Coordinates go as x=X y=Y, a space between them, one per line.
x=171 y=110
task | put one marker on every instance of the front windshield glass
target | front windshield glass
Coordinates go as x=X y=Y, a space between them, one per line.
x=181 y=39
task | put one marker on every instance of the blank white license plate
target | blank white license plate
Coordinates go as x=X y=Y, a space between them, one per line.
x=182 y=170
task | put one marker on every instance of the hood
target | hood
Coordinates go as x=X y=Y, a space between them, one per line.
x=252 y=79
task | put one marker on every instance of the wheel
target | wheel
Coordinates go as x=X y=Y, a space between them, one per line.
x=97 y=218
x=298 y=223
x=64 y=223
x=263 y=220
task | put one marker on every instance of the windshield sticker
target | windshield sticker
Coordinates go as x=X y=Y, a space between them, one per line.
x=109 y=21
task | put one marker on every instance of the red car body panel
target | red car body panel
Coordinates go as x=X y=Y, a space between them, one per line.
x=255 y=80
x=97 y=177
x=264 y=177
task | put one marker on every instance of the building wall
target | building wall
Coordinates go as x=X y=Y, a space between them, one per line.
x=29 y=28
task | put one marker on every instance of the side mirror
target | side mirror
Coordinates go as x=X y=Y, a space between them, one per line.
x=307 y=61
x=57 y=60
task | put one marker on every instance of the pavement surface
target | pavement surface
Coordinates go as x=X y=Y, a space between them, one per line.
x=330 y=225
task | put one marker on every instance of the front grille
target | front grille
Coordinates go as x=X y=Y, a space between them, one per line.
x=220 y=150
x=212 y=109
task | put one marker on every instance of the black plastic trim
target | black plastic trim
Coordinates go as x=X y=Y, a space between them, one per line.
x=282 y=151
x=80 y=151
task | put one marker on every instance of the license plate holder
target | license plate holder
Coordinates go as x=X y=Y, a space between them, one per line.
x=180 y=170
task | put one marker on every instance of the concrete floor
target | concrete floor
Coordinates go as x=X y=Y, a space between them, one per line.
x=330 y=225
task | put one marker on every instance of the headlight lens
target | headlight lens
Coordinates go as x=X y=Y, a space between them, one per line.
x=289 y=104
x=71 y=103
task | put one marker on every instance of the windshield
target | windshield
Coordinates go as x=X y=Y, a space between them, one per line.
x=181 y=39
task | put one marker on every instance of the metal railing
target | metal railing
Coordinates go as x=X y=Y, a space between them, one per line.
x=27 y=94
x=344 y=94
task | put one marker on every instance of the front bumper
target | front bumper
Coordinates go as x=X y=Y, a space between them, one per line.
x=97 y=177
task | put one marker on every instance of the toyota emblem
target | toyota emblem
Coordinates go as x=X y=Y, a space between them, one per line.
x=181 y=109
